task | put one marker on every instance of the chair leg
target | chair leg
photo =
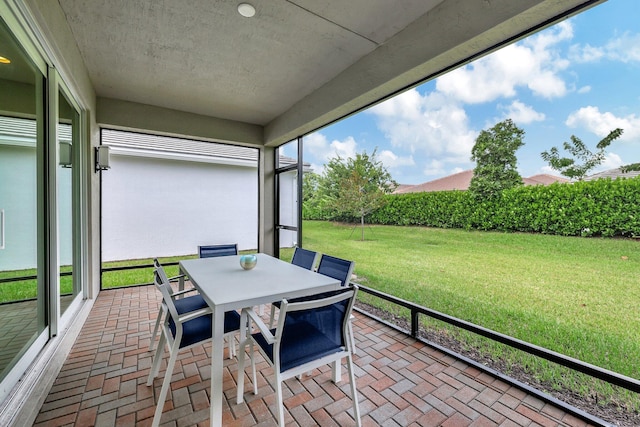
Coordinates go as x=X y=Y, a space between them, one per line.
x=157 y=357
x=155 y=330
x=354 y=393
x=350 y=331
x=166 y=383
x=273 y=314
x=279 y=399
x=254 y=376
x=336 y=368
x=231 y=345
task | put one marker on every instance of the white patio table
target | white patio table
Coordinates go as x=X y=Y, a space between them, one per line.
x=226 y=286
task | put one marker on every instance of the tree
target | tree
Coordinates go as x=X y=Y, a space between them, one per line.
x=356 y=186
x=569 y=166
x=496 y=162
x=310 y=185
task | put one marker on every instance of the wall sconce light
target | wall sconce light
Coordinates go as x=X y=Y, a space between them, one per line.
x=66 y=156
x=102 y=158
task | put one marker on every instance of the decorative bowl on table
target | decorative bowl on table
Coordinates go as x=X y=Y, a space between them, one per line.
x=248 y=261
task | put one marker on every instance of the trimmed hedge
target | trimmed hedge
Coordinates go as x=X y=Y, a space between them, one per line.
x=602 y=207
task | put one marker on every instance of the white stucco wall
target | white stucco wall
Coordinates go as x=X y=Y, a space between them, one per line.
x=153 y=207
x=18 y=200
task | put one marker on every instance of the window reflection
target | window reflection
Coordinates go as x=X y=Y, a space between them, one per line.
x=67 y=125
x=22 y=304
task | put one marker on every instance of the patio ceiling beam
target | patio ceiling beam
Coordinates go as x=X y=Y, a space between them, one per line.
x=453 y=33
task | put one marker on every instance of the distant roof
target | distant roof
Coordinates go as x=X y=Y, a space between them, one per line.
x=613 y=174
x=134 y=143
x=543 y=179
x=457 y=181
x=461 y=181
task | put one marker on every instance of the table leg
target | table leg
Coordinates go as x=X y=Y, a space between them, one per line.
x=181 y=279
x=217 y=347
x=241 y=354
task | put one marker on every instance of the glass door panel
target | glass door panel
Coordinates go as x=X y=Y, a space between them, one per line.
x=67 y=130
x=287 y=195
x=22 y=296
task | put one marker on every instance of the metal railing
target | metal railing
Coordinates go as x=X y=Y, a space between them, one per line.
x=575 y=364
x=561 y=359
x=132 y=267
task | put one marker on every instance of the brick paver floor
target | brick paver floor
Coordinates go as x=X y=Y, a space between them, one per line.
x=401 y=382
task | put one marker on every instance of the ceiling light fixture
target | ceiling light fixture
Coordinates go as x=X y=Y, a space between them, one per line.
x=246 y=10
x=4 y=60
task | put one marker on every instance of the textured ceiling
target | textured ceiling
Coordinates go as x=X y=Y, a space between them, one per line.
x=202 y=56
x=296 y=65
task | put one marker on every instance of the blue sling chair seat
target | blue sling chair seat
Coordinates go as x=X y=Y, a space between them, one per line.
x=302 y=258
x=309 y=334
x=180 y=331
x=183 y=304
x=337 y=268
x=210 y=251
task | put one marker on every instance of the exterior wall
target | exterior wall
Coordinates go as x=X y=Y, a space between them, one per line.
x=16 y=163
x=153 y=207
x=19 y=211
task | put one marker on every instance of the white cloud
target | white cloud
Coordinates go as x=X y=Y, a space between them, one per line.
x=625 y=48
x=434 y=167
x=548 y=170
x=532 y=63
x=521 y=113
x=611 y=161
x=591 y=119
x=391 y=160
x=584 y=89
x=586 y=53
x=322 y=150
x=432 y=125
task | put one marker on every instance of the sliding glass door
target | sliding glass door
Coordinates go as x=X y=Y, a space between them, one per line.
x=69 y=285
x=23 y=277
x=40 y=204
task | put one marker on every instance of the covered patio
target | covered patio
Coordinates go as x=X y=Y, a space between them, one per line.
x=401 y=382
x=205 y=71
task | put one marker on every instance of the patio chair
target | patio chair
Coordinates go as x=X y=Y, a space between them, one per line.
x=181 y=331
x=338 y=268
x=309 y=334
x=302 y=258
x=210 y=251
x=183 y=305
x=194 y=302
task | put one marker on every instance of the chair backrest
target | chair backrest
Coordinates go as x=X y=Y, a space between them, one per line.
x=304 y=258
x=324 y=320
x=210 y=251
x=163 y=284
x=338 y=268
x=160 y=276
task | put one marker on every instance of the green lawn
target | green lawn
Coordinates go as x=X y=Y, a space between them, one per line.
x=576 y=296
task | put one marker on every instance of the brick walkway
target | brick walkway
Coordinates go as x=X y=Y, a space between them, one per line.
x=401 y=382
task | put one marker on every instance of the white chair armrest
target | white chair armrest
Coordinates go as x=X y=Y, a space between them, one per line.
x=264 y=330
x=182 y=292
x=194 y=314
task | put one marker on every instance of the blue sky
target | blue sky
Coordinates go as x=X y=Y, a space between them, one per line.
x=580 y=77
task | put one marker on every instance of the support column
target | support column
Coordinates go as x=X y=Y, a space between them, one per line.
x=266 y=202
